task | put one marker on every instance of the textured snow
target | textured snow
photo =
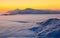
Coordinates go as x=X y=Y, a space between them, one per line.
x=48 y=29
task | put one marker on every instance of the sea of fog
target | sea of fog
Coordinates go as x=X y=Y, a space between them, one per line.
x=16 y=26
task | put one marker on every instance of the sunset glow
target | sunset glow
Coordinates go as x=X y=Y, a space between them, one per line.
x=22 y=4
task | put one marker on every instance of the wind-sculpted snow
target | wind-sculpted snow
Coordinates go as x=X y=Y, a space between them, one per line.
x=48 y=29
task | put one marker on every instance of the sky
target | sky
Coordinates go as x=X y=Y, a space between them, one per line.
x=35 y=4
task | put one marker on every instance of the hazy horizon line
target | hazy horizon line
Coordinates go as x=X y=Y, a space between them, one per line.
x=5 y=10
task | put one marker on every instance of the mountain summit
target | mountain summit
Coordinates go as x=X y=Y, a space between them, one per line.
x=16 y=11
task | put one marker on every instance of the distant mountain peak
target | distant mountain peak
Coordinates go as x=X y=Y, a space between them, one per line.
x=17 y=9
x=28 y=9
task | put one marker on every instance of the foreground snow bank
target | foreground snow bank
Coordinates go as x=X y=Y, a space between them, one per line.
x=48 y=29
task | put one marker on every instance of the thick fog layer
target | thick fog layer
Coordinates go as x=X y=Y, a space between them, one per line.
x=29 y=26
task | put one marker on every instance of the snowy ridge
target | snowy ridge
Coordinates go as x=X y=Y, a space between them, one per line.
x=48 y=29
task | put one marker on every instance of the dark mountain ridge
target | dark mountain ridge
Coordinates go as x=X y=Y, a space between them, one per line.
x=33 y=11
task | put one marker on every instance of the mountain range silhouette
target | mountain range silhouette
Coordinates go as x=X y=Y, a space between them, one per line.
x=33 y=11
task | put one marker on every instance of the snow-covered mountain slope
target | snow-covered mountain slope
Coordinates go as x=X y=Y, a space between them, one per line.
x=48 y=29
